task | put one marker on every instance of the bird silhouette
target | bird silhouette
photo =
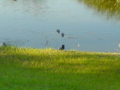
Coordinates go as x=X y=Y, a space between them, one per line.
x=4 y=44
x=58 y=30
x=62 y=34
x=62 y=47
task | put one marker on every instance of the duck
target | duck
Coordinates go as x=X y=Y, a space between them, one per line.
x=62 y=34
x=62 y=47
x=58 y=30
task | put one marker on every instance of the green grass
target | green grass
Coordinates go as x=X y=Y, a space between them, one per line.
x=49 y=69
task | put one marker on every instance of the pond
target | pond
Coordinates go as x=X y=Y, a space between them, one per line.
x=34 y=23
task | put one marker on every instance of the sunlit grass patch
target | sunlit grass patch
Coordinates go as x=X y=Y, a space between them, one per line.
x=50 y=69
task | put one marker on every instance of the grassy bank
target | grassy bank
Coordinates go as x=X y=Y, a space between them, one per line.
x=48 y=69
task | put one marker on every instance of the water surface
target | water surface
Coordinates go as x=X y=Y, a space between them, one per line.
x=33 y=23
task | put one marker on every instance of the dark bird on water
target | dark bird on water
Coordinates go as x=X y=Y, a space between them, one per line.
x=4 y=44
x=62 y=34
x=62 y=47
x=58 y=30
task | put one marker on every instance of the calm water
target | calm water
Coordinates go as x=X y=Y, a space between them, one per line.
x=33 y=23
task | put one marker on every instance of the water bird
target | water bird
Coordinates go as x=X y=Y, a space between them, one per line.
x=4 y=44
x=58 y=30
x=62 y=34
x=62 y=47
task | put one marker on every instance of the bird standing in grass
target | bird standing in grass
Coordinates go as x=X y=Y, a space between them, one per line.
x=62 y=47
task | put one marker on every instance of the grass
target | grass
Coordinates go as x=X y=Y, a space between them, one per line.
x=49 y=69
